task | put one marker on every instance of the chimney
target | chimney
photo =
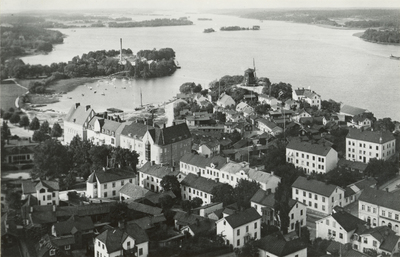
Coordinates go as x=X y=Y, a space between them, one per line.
x=87 y=107
x=153 y=163
x=268 y=192
x=77 y=105
x=164 y=126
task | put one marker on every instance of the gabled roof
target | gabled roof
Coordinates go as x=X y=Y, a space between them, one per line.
x=315 y=186
x=277 y=245
x=109 y=175
x=381 y=198
x=377 y=137
x=183 y=218
x=78 y=114
x=343 y=250
x=202 y=226
x=135 y=129
x=351 y=110
x=233 y=167
x=84 y=210
x=225 y=99
x=261 y=197
x=30 y=187
x=352 y=164
x=149 y=221
x=263 y=177
x=157 y=170
x=385 y=236
x=134 y=191
x=199 y=183
x=203 y=162
x=144 y=208
x=173 y=134
x=155 y=197
x=73 y=224
x=241 y=218
x=307 y=147
x=347 y=221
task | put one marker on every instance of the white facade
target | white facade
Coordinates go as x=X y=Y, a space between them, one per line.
x=328 y=228
x=150 y=182
x=367 y=242
x=134 y=143
x=188 y=193
x=377 y=215
x=46 y=197
x=312 y=162
x=237 y=237
x=110 y=189
x=100 y=249
x=364 y=151
x=298 y=213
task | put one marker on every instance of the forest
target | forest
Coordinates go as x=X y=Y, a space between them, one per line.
x=151 y=23
x=382 y=36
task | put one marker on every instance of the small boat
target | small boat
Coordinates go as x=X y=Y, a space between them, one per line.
x=95 y=92
x=83 y=94
x=394 y=57
x=103 y=94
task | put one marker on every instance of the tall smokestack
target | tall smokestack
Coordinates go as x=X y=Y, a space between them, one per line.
x=120 y=50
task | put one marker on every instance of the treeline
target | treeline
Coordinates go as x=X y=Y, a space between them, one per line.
x=233 y=28
x=157 y=55
x=151 y=23
x=382 y=36
x=21 y=40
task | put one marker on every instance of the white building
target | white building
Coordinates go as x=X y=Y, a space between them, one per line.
x=308 y=96
x=193 y=186
x=77 y=121
x=225 y=100
x=276 y=245
x=169 y=110
x=107 y=183
x=269 y=127
x=246 y=109
x=380 y=208
x=208 y=167
x=312 y=158
x=317 y=195
x=363 y=145
x=339 y=226
x=45 y=191
x=240 y=227
x=121 y=242
x=380 y=240
x=105 y=130
x=151 y=174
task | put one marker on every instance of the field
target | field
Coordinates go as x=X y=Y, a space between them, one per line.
x=8 y=94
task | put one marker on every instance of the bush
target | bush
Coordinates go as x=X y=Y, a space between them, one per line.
x=15 y=118
x=7 y=115
x=24 y=122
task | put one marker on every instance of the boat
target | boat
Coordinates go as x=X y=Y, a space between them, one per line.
x=209 y=30
x=95 y=92
x=141 y=103
x=394 y=57
x=103 y=94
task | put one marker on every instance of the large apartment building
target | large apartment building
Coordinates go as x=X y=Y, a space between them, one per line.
x=364 y=145
x=77 y=121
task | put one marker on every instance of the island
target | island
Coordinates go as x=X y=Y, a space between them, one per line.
x=209 y=30
x=151 y=23
x=235 y=28
x=204 y=19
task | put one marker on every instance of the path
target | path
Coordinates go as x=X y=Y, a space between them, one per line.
x=16 y=83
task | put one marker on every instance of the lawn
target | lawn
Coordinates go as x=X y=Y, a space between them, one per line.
x=8 y=94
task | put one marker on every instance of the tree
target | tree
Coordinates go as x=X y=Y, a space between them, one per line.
x=244 y=191
x=1 y=113
x=196 y=202
x=45 y=127
x=99 y=156
x=382 y=170
x=14 y=200
x=15 y=118
x=79 y=151
x=69 y=181
x=384 y=124
x=35 y=124
x=7 y=115
x=5 y=131
x=56 y=131
x=220 y=116
x=186 y=205
x=262 y=109
x=281 y=206
x=166 y=202
x=39 y=136
x=51 y=160
x=120 y=213
x=170 y=182
x=125 y=157
x=223 y=193
x=24 y=121
x=187 y=88
x=249 y=249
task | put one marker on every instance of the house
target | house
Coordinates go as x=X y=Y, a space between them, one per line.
x=308 y=96
x=193 y=186
x=359 y=121
x=18 y=151
x=207 y=167
x=353 y=191
x=132 y=191
x=264 y=201
x=151 y=174
x=77 y=121
x=45 y=191
x=276 y=245
x=378 y=240
x=183 y=219
x=131 y=239
x=209 y=148
x=352 y=165
x=144 y=209
x=105 y=130
x=225 y=100
x=317 y=195
x=199 y=119
x=291 y=104
x=269 y=127
x=37 y=215
x=266 y=99
x=348 y=111
x=207 y=209
x=200 y=227
x=246 y=109
x=161 y=145
x=81 y=228
x=107 y=183
x=363 y=145
x=55 y=246
x=380 y=208
x=346 y=250
x=302 y=113
x=339 y=226
x=313 y=158
x=238 y=228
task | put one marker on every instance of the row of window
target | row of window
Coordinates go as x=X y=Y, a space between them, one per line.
x=321 y=167
x=316 y=196
x=198 y=192
x=113 y=184
x=389 y=214
x=320 y=159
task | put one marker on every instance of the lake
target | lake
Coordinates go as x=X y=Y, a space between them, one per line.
x=332 y=62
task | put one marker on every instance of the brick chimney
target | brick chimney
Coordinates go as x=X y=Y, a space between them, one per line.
x=77 y=105
x=87 y=107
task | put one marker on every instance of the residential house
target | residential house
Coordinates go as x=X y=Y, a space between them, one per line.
x=313 y=158
x=55 y=246
x=207 y=167
x=105 y=130
x=199 y=119
x=363 y=145
x=132 y=191
x=302 y=113
x=269 y=127
x=130 y=239
x=151 y=174
x=339 y=226
x=344 y=250
x=359 y=121
x=239 y=228
x=380 y=208
x=193 y=186
x=308 y=96
x=266 y=99
x=81 y=228
x=381 y=241
x=45 y=191
x=276 y=245
x=353 y=191
x=264 y=201
x=244 y=108
x=200 y=227
x=209 y=148
x=183 y=219
x=18 y=151
x=143 y=209
x=225 y=100
x=352 y=165
x=348 y=111
x=77 y=121
x=107 y=183
x=317 y=195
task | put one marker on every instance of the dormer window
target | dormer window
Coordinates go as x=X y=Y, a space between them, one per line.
x=42 y=190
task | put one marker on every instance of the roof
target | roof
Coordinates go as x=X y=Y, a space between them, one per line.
x=202 y=226
x=347 y=221
x=149 y=221
x=345 y=250
x=84 y=210
x=158 y=170
x=315 y=186
x=144 y=208
x=106 y=124
x=199 y=183
x=352 y=164
x=135 y=129
x=277 y=245
x=380 y=198
x=261 y=197
x=267 y=123
x=134 y=191
x=155 y=197
x=75 y=223
x=263 y=177
x=225 y=99
x=377 y=137
x=30 y=187
x=109 y=175
x=114 y=237
x=303 y=146
x=203 y=162
x=183 y=218
x=173 y=134
x=351 y=110
x=78 y=114
x=385 y=235
x=241 y=218
x=233 y=167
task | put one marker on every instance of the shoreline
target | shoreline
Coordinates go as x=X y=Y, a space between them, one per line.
x=359 y=35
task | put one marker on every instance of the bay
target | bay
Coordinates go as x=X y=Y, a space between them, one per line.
x=332 y=62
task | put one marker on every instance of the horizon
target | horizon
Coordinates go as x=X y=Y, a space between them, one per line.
x=189 y=5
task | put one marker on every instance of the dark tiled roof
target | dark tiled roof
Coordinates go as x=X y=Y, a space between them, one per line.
x=199 y=183
x=202 y=226
x=242 y=218
x=144 y=208
x=149 y=221
x=183 y=218
x=381 y=198
x=30 y=187
x=345 y=251
x=347 y=221
x=78 y=115
x=203 y=162
x=74 y=223
x=318 y=149
x=261 y=197
x=351 y=110
x=385 y=235
x=314 y=186
x=173 y=134
x=84 y=210
x=352 y=164
x=157 y=170
x=110 y=175
x=137 y=129
x=277 y=245
x=377 y=137
x=134 y=191
x=155 y=197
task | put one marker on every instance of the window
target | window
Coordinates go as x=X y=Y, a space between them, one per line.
x=113 y=184
x=122 y=182
x=301 y=212
x=309 y=203
x=67 y=247
x=365 y=240
x=323 y=207
x=309 y=195
x=396 y=216
x=390 y=215
x=375 y=243
x=327 y=222
x=383 y=213
x=113 y=193
x=238 y=232
x=105 y=194
x=98 y=254
x=105 y=186
x=334 y=224
x=316 y=197
x=128 y=244
x=52 y=252
x=304 y=193
x=363 y=207
x=247 y=229
x=297 y=191
x=333 y=233
x=255 y=235
x=130 y=180
x=49 y=197
x=238 y=242
x=224 y=222
x=292 y=216
x=255 y=225
x=323 y=199
x=315 y=205
x=140 y=251
x=341 y=235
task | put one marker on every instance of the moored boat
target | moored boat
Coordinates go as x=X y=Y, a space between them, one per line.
x=394 y=57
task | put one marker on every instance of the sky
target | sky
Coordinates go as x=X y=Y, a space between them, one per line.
x=28 y=5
